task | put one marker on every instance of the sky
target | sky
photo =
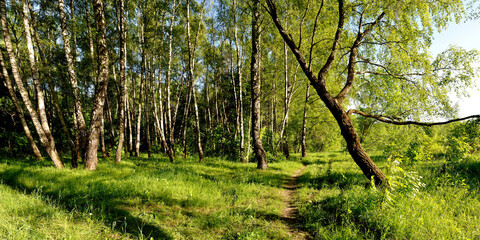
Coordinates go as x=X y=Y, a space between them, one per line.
x=467 y=36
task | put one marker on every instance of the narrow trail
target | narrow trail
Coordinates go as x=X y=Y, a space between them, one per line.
x=290 y=213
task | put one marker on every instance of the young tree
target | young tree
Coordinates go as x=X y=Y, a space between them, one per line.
x=304 y=123
x=191 y=67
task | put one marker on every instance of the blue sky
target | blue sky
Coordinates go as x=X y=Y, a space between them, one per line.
x=467 y=36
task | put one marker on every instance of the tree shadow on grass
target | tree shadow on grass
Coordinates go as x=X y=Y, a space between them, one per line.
x=470 y=171
x=346 y=214
x=71 y=195
x=335 y=179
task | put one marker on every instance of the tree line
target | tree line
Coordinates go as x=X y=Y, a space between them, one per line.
x=222 y=77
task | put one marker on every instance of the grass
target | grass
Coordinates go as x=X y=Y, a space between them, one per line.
x=153 y=199
x=147 y=198
x=337 y=202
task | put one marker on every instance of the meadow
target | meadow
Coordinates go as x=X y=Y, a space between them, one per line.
x=152 y=198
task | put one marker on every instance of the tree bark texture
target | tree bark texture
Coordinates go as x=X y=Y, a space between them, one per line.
x=100 y=90
x=73 y=78
x=260 y=155
x=123 y=69
x=53 y=94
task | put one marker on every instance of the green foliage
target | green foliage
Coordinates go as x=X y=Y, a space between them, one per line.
x=457 y=149
x=268 y=138
x=222 y=143
x=401 y=183
x=417 y=152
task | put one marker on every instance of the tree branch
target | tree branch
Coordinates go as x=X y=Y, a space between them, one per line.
x=312 y=44
x=341 y=19
x=272 y=10
x=353 y=55
x=390 y=120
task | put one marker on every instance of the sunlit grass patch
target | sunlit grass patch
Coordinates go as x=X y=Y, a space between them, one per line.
x=34 y=216
x=143 y=198
x=338 y=207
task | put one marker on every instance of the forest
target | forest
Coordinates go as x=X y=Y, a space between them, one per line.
x=227 y=119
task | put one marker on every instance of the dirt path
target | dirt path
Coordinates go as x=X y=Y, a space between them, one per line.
x=290 y=213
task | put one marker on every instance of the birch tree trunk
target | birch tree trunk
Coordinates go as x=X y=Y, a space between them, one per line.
x=39 y=118
x=170 y=122
x=130 y=130
x=53 y=94
x=240 y=95
x=142 y=83
x=123 y=67
x=73 y=78
x=90 y=42
x=304 y=124
x=101 y=88
x=260 y=155
x=18 y=107
x=191 y=64
x=185 y=122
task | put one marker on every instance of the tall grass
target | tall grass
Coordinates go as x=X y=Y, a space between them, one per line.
x=152 y=198
x=337 y=202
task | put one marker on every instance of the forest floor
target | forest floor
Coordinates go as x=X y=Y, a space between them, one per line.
x=322 y=196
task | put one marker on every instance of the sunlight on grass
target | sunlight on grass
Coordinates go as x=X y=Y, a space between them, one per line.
x=219 y=199
x=336 y=204
x=145 y=198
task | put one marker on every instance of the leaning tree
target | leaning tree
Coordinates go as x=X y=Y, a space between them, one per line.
x=382 y=41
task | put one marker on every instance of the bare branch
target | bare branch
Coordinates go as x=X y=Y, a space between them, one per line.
x=395 y=121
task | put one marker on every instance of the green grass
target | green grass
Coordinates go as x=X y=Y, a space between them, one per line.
x=336 y=204
x=151 y=198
